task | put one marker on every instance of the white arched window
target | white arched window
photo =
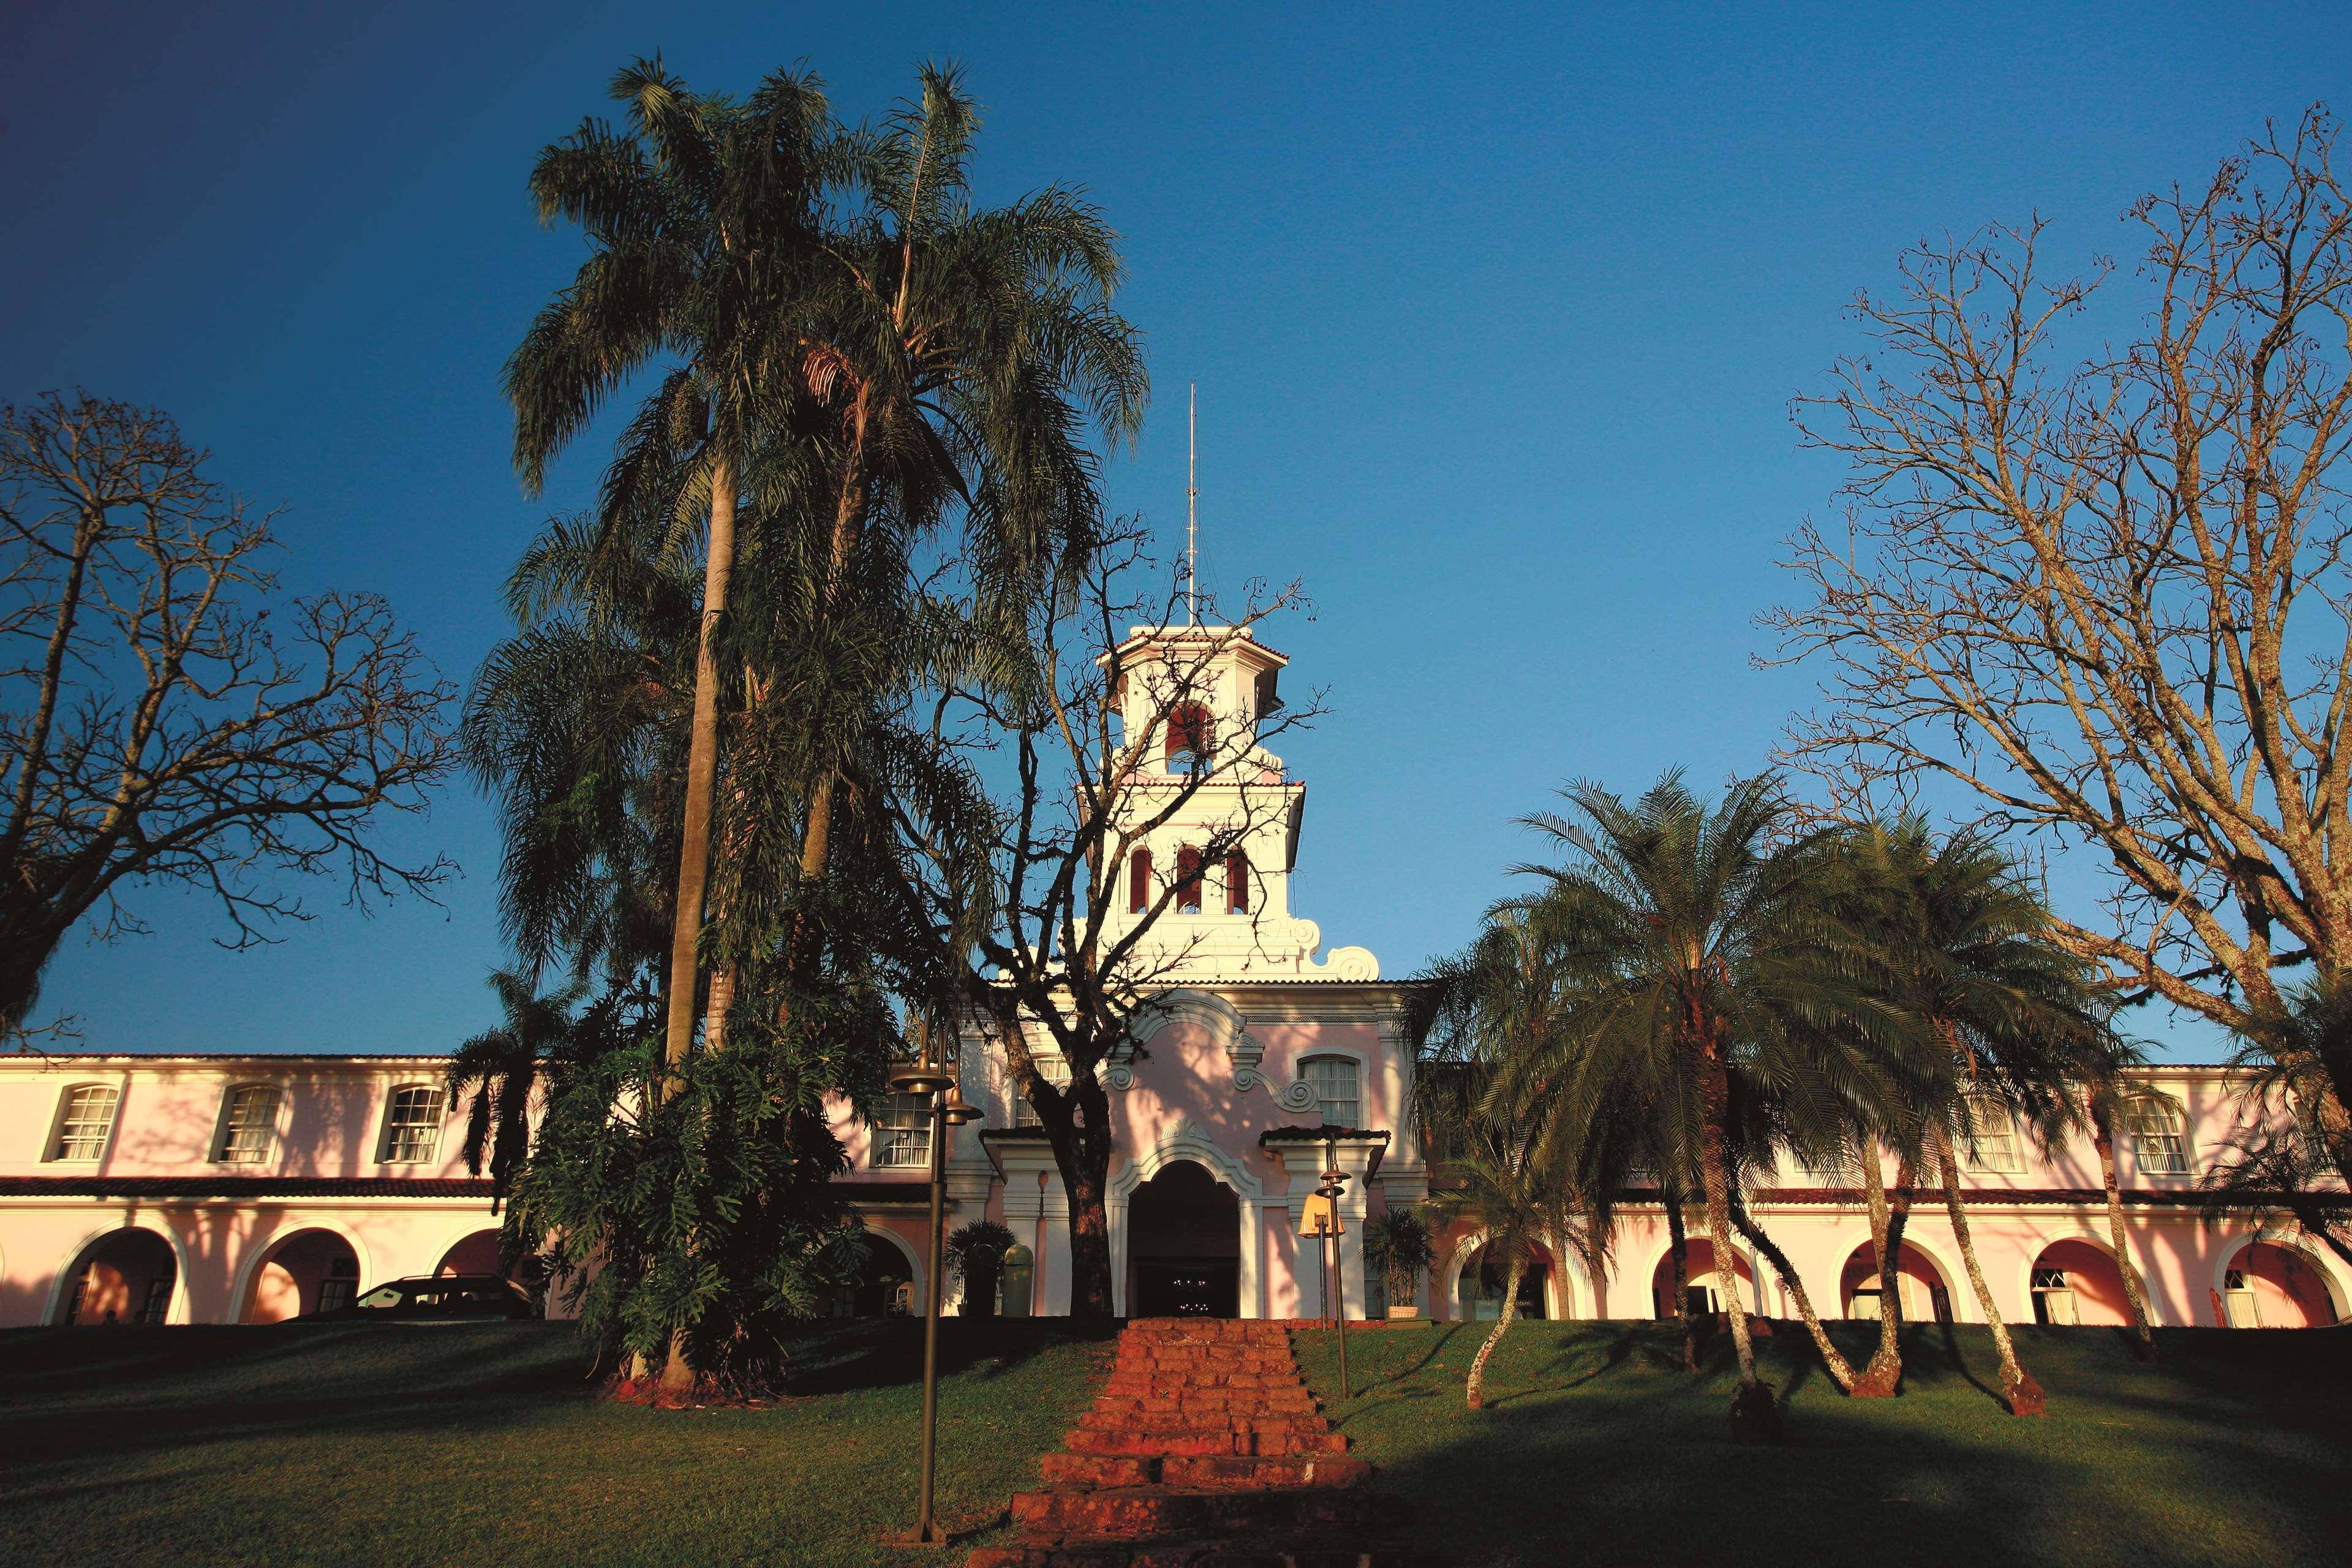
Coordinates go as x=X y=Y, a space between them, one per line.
x=1991 y=1140
x=1338 y=1088
x=85 y=1118
x=2160 y=1135
x=412 y=1124
x=1053 y=1070
x=248 y=1124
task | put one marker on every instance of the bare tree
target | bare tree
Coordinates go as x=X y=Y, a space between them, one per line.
x=157 y=725
x=1068 y=951
x=2067 y=578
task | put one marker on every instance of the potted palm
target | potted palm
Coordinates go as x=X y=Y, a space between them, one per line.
x=1396 y=1242
x=975 y=1254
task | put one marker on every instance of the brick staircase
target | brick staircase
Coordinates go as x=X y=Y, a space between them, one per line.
x=1204 y=1450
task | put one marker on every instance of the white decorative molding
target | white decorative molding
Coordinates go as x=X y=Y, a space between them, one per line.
x=1228 y=1031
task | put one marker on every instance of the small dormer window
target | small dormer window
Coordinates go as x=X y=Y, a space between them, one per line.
x=1191 y=737
x=1188 y=881
x=1267 y=701
x=1237 y=883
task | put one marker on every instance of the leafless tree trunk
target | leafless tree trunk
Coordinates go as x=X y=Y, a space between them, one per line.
x=160 y=725
x=1047 y=967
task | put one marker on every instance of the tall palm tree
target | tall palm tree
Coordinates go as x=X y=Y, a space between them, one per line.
x=704 y=220
x=500 y=1068
x=1696 y=955
x=955 y=359
x=1475 y=1016
x=2011 y=1020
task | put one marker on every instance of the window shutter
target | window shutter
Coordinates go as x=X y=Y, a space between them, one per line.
x=1188 y=881
x=1138 y=881
x=1237 y=883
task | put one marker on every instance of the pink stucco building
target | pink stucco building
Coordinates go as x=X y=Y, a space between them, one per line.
x=249 y=1189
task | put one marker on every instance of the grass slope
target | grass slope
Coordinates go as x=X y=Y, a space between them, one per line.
x=484 y=1444
x=1595 y=1446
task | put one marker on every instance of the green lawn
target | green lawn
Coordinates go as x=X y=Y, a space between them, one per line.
x=485 y=1444
x=1595 y=1446
x=482 y=1444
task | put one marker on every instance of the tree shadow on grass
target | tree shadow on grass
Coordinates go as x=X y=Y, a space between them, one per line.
x=880 y=1354
x=2134 y=1466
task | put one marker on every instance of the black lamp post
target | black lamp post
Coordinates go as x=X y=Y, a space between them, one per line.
x=1334 y=1180
x=949 y=1109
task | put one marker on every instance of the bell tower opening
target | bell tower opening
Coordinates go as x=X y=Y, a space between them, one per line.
x=1184 y=1245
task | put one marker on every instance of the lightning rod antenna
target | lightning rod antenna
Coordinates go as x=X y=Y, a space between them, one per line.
x=1192 y=509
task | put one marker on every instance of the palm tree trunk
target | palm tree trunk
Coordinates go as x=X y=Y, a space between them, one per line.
x=1840 y=1369
x=701 y=774
x=1477 y=1393
x=1885 y=1373
x=1678 y=1251
x=1755 y=1418
x=2134 y=1290
x=2025 y=1394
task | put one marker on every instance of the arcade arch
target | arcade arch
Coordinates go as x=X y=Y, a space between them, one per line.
x=1924 y=1291
x=1704 y=1286
x=129 y=1273
x=2075 y=1281
x=307 y=1268
x=2270 y=1283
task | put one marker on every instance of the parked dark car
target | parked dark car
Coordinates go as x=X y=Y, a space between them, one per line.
x=437 y=1298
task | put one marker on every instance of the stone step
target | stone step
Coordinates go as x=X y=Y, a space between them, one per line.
x=1203 y=1440
x=1137 y=1513
x=1199 y=1551
x=1102 y=1420
x=1299 y=1403
x=1256 y=1472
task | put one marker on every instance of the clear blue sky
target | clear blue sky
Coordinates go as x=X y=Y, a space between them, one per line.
x=1494 y=315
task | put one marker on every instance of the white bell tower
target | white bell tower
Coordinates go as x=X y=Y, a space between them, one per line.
x=1197 y=696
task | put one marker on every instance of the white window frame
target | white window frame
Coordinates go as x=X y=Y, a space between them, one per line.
x=1054 y=1070
x=2170 y=1154
x=389 y=1142
x=1990 y=1146
x=53 y=1152
x=1307 y=1066
x=257 y=1151
x=901 y=1129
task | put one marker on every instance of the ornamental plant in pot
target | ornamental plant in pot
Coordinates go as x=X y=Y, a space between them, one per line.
x=1396 y=1242
x=975 y=1254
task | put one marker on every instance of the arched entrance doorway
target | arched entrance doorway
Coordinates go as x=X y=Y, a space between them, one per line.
x=125 y=1277
x=1703 y=1282
x=1478 y=1294
x=884 y=1286
x=308 y=1271
x=1184 y=1245
x=1922 y=1296
x=2267 y=1286
x=2075 y=1281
